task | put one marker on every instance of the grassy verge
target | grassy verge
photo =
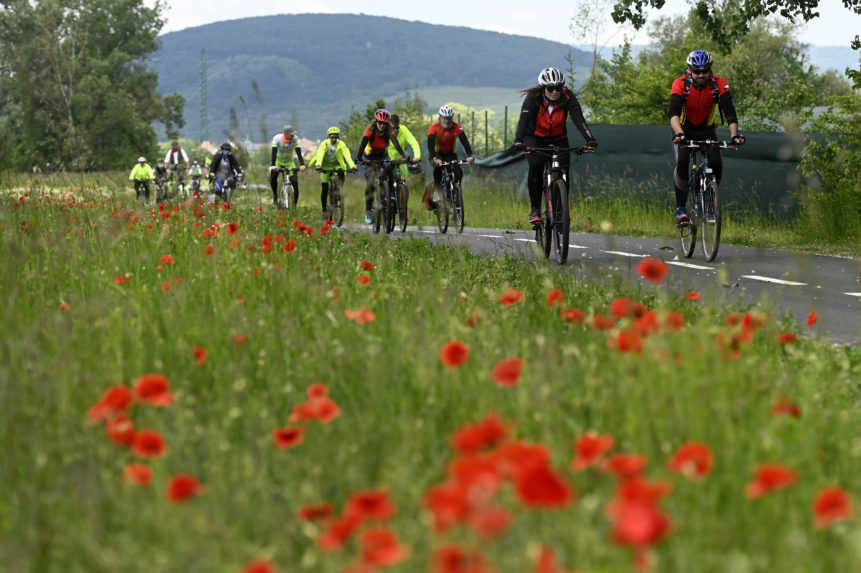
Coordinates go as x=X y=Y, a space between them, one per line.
x=242 y=332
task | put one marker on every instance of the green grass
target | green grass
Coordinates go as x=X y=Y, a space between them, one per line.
x=63 y=503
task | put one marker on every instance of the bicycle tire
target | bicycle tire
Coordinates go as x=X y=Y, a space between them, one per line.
x=711 y=226
x=547 y=224
x=337 y=204
x=457 y=200
x=442 y=213
x=403 y=199
x=561 y=220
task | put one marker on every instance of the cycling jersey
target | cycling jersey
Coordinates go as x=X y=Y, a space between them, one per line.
x=443 y=141
x=331 y=156
x=175 y=157
x=283 y=150
x=374 y=144
x=696 y=107
x=141 y=173
x=541 y=117
x=224 y=164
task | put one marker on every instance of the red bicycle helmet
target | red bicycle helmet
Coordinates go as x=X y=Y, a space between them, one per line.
x=383 y=115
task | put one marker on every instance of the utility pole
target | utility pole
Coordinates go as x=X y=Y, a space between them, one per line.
x=204 y=98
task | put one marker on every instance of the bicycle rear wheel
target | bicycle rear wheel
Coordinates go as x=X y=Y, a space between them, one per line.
x=442 y=213
x=711 y=221
x=403 y=199
x=561 y=220
x=547 y=224
x=457 y=204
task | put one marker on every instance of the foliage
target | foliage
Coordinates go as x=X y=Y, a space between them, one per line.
x=76 y=87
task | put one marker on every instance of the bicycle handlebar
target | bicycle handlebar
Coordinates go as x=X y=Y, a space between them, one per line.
x=454 y=162
x=698 y=143
x=290 y=170
x=556 y=149
x=383 y=162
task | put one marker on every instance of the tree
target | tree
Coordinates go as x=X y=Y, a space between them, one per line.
x=174 y=104
x=75 y=83
x=589 y=23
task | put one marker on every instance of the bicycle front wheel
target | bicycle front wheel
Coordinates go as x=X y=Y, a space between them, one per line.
x=561 y=220
x=336 y=205
x=711 y=222
x=442 y=213
x=457 y=204
x=547 y=223
x=403 y=199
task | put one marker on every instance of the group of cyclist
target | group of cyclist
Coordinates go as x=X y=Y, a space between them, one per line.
x=695 y=99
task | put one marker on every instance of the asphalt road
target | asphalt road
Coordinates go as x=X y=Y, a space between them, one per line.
x=795 y=283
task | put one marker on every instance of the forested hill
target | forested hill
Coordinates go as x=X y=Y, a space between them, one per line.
x=310 y=65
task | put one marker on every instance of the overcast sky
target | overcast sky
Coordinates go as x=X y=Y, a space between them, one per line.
x=835 y=26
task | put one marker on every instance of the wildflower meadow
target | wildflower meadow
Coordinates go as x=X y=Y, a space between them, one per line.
x=196 y=387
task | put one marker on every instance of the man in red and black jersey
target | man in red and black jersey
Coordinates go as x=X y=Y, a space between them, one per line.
x=695 y=99
x=543 y=117
x=443 y=136
x=374 y=147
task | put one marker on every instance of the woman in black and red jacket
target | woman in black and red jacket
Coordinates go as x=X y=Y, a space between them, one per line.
x=546 y=109
x=373 y=147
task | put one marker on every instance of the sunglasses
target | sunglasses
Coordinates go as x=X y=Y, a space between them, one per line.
x=699 y=72
x=556 y=88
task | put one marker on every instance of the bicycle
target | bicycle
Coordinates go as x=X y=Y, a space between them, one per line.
x=223 y=188
x=285 y=188
x=160 y=189
x=335 y=201
x=554 y=226
x=141 y=189
x=384 y=216
x=705 y=207
x=451 y=202
x=195 y=184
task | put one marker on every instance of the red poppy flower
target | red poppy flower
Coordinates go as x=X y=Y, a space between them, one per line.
x=199 y=355
x=167 y=260
x=64 y=305
x=325 y=410
x=625 y=465
x=693 y=460
x=368 y=266
x=209 y=250
x=371 y=504
x=621 y=307
x=363 y=316
x=674 y=321
x=115 y=399
x=507 y=372
x=546 y=562
x=639 y=525
x=449 y=502
x=490 y=521
x=153 y=389
x=289 y=246
x=148 y=444
x=693 y=296
x=453 y=559
x=812 y=318
x=165 y=286
x=590 y=448
x=474 y=437
x=315 y=512
x=240 y=338
x=637 y=490
x=769 y=478
x=511 y=297
x=317 y=391
x=183 y=486
x=454 y=354
x=601 y=322
x=121 y=430
x=515 y=456
x=259 y=566
x=138 y=474
x=734 y=318
x=831 y=504
x=652 y=269
x=784 y=407
x=287 y=437
x=628 y=341
x=786 y=337
x=339 y=531
x=232 y=227
x=537 y=485
x=573 y=315
x=380 y=547
x=554 y=297
x=122 y=279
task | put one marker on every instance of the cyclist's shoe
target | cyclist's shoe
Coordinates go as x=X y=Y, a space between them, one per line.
x=367 y=217
x=682 y=217
x=710 y=214
x=325 y=216
x=534 y=216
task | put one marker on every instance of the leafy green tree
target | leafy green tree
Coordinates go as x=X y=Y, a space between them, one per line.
x=75 y=83
x=356 y=124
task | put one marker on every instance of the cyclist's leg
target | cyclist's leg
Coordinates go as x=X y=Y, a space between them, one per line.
x=716 y=163
x=535 y=184
x=682 y=158
x=294 y=180
x=146 y=189
x=273 y=183
x=324 y=189
x=369 y=188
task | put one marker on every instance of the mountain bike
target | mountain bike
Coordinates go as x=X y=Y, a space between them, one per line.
x=383 y=216
x=286 y=193
x=335 y=200
x=704 y=210
x=195 y=184
x=224 y=188
x=160 y=189
x=552 y=230
x=141 y=189
x=451 y=201
x=176 y=182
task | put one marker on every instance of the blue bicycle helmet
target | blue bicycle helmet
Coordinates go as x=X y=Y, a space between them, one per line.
x=699 y=59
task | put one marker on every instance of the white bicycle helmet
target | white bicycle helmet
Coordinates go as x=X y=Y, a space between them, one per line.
x=141 y=159
x=446 y=111
x=550 y=77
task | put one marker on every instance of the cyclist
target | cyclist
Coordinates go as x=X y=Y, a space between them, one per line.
x=375 y=142
x=195 y=172
x=160 y=171
x=176 y=160
x=406 y=139
x=331 y=154
x=284 y=145
x=442 y=146
x=694 y=99
x=546 y=107
x=223 y=168
x=142 y=175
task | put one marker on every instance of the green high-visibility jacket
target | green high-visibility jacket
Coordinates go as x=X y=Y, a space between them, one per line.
x=141 y=173
x=405 y=137
x=323 y=156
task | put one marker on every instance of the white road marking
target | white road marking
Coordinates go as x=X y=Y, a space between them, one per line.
x=573 y=246
x=624 y=254
x=492 y=236
x=525 y=240
x=772 y=280
x=858 y=294
x=426 y=231
x=691 y=266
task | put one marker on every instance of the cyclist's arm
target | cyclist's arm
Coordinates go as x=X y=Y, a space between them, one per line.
x=184 y=155
x=299 y=155
x=133 y=173
x=318 y=155
x=274 y=154
x=346 y=155
x=467 y=148
x=431 y=145
x=728 y=109
x=411 y=141
x=525 y=125
x=575 y=112
x=362 y=144
x=394 y=141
